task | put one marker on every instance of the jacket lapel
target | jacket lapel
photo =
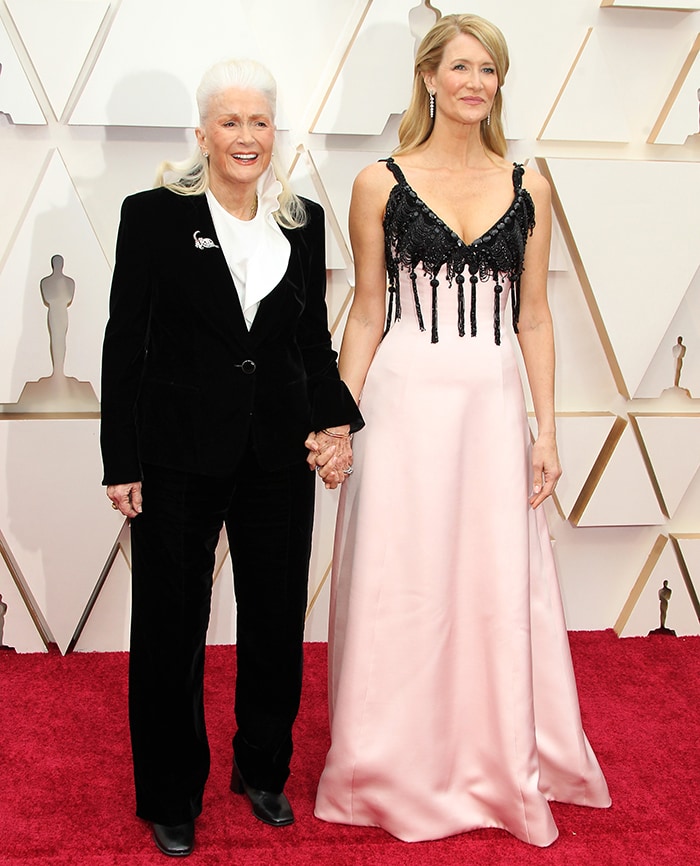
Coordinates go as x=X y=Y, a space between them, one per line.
x=212 y=266
x=280 y=303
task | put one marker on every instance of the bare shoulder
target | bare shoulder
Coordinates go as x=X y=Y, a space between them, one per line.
x=537 y=185
x=374 y=172
x=374 y=182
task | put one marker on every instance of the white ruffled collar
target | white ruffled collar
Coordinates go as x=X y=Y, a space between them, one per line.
x=269 y=190
x=257 y=251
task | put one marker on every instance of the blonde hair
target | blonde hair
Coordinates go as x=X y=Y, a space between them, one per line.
x=416 y=125
x=192 y=175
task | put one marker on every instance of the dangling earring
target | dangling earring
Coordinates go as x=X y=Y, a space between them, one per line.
x=488 y=120
x=205 y=154
x=431 y=104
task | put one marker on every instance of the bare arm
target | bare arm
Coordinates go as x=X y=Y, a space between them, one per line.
x=365 y=325
x=536 y=338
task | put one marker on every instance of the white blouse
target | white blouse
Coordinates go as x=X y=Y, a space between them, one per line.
x=256 y=251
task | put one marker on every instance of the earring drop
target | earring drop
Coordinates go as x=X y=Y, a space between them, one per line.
x=205 y=154
x=431 y=105
x=488 y=120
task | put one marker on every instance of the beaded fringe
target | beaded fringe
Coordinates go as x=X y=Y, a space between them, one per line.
x=413 y=234
x=416 y=300
x=498 y=288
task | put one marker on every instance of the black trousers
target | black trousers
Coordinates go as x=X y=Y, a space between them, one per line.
x=268 y=518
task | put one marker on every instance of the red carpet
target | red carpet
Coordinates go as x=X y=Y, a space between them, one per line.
x=65 y=777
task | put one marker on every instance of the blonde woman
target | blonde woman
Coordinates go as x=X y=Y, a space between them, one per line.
x=453 y=702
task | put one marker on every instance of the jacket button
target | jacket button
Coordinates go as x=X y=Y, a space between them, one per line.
x=248 y=367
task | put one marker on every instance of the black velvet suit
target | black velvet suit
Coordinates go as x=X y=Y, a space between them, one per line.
x=212 y=418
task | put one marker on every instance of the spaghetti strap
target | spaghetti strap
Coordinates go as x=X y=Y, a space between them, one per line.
x=394 y=169
x=518 y=172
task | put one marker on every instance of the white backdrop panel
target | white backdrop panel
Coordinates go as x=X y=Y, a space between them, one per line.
x=58 y=35
x=614 y=211
x=16 y=95
x=56 y=223
x=629 y=208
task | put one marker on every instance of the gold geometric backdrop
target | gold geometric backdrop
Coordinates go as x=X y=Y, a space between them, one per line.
x=602 y=98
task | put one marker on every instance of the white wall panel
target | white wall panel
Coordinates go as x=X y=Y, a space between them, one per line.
x=661 y=372
x=222 y=624
x=19 y=630
x=307 y=182
x=672 y=444
x=598 y=567
x=382 y=52
x=150 y=64
x=688 y=553
x=624 y=495
x=628 y=250
x=17 y=99
x=58 y=35
x=584 y=381
x=612 y=91
x=95 y=93
x=679 y=118
x=106 y=624
x=56 y=223
x=680 y=617
x=591 y=106
x=580 y=439
x=674 y=5
x=55 y=519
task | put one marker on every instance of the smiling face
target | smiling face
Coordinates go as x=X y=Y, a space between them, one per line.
x=466 y=82
x=238 y=133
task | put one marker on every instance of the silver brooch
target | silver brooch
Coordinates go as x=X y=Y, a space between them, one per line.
x=203 y=243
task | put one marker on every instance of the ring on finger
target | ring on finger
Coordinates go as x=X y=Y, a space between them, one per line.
x=348 y=471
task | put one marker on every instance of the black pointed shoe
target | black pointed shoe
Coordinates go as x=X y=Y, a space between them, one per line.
x=176 y=840
x=273 y=809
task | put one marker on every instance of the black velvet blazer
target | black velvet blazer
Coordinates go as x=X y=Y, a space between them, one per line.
x=184 y=382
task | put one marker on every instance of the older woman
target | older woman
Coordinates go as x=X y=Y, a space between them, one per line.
x=217 y=366
x=453 y=696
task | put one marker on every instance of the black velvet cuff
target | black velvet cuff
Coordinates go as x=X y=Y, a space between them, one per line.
x=333 y=406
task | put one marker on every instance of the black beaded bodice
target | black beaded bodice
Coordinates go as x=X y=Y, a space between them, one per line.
x=416 y=236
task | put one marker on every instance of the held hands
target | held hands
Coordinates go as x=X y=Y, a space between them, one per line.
x=126 y=498
x=545 y=467
x=330 y=454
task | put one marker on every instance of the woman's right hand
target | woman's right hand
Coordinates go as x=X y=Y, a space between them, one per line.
x=126 y=498
x=330 y=456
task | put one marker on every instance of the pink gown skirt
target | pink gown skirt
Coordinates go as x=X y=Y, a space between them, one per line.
x=452 y=695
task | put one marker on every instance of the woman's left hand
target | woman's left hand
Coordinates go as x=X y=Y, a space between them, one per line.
x=546 y=469
x=126 y=498
x=330 y=456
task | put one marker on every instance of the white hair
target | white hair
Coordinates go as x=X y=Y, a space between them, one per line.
x=245 y=74
x=192 y=175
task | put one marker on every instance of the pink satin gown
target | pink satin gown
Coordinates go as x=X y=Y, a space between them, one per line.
x=452 y=695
